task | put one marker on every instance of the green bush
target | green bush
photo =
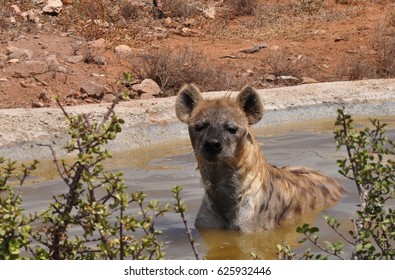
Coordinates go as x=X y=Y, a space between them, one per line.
x=370 y=166
x=94 y=203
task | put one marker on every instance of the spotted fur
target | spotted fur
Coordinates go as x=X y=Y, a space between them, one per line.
x=243 y=191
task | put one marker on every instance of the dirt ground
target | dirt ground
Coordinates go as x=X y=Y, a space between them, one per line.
x=301 y=42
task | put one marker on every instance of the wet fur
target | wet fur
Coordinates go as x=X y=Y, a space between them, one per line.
x=243 y=191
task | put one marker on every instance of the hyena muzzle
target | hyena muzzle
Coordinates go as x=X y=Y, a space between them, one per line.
x=243 y=191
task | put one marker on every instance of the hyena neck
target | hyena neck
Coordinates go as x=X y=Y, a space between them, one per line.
x=226 y=183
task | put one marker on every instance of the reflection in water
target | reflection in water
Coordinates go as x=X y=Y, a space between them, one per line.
x=157 y=169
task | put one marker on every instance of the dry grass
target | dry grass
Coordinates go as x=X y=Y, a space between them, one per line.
x=355 y=67
x=172 y=68
x=181 y=8
x=284 y=63
x=243 y=7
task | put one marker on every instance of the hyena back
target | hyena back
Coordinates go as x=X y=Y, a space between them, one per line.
x=243 y=191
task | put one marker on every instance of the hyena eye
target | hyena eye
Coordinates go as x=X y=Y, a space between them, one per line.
x=232 y=129
x=201 y=126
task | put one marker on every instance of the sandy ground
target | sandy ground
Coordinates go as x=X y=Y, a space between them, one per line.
x=153 y=121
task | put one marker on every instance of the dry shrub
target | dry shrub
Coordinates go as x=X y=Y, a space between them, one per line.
x=180 y=8
x=355 y=67
x=346 y=2
x=267 y=15
x=172 y=68
x=283 y=63
x=128 y=10
x=243 y=7
x=94 y=19
x=385 y=48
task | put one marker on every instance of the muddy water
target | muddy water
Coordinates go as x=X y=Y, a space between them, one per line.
x=157 y=169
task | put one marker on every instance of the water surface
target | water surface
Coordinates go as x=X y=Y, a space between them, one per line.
x=155 y=170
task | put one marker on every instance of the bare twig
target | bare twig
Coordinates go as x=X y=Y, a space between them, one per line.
x=60 y=168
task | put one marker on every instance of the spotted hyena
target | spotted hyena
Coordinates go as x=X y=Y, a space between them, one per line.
x=242 y=190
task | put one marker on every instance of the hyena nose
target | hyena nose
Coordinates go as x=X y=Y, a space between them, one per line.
x=213 y=146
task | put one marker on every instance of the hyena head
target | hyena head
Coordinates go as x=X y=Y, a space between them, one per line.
x=218 y=128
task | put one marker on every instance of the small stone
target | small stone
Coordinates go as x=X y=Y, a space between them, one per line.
x=53 y=7
x=270 y=78
x=97 y=44
x=148 y=86
x=45 y=96
x=123 y=51
x=190 y=22
x=26 y=68
x=289 y=78
x=308 y=80
x=31 y=15
x=93 y=89
x=23 y=84
x=108 y=98
x=372 y=52
x=16 y=9
x=75 y=58
x=168 y=21
x=186 y=30
x=20 y=54
x=37 y=104
x=100 y=60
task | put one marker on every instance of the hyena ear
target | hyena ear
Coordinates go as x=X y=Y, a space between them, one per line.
x=250 y=102
x=187 y=99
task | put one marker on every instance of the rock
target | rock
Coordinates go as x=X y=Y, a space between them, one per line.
x=26 y=68
x=93 y=89
x=100 y=60
x=46 y=96
x=186 y=30
x=123 y=51
x=190 y=22
x=21 y=54
x=308 y=80
x=372 y=52
x=97 y=44
x=53 y=7
x=37 y=104
x=75 y=58
x=13 y=22
x=16 y=10
x=52 y=62
x=270 y=78
x=23 y=84
x=147 y=87
x=31 y=15
x=289 y=80
x=248 y=73
x=13 y=60
x=4 y=80
x=168 y=22
x=67 y=2
x=96 y=75
x=108 y=98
